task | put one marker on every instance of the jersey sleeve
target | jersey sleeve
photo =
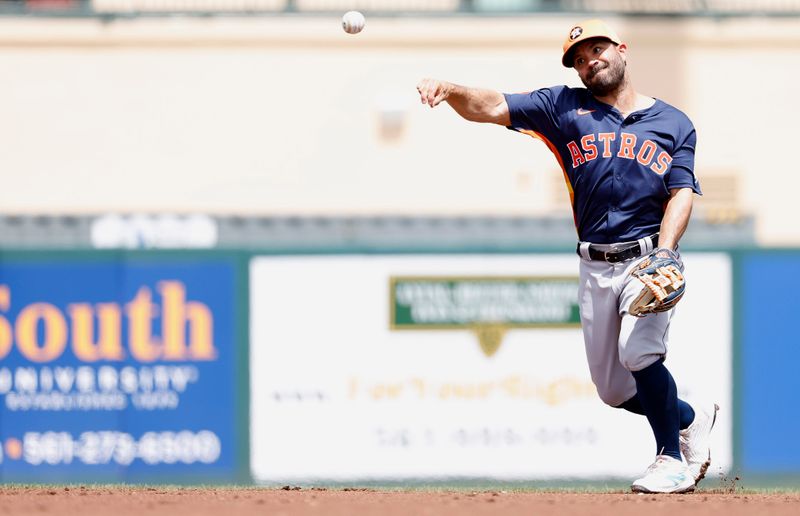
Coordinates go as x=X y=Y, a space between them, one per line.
x=681 y=173
x=535 y=111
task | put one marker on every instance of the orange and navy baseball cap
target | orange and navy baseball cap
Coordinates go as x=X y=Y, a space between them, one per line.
x=583 y=31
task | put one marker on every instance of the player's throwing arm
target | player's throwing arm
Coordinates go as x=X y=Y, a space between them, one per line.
x=473 y=104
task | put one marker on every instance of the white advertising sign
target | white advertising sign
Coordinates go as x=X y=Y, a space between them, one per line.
x=389 y=368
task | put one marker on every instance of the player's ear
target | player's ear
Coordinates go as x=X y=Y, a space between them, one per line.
x=622 y=48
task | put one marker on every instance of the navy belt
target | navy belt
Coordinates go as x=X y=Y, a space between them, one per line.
x=617 y=252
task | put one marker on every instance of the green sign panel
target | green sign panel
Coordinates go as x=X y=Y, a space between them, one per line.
x=487 y=305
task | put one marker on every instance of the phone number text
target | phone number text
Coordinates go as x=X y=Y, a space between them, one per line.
x=107 y=447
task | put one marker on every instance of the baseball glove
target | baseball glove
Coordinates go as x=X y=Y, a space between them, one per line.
x=662 y=274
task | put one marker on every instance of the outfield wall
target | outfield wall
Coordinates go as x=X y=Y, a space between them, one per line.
x=769 y=348
x=364 y=393
x=230 y=366
x=121 y=368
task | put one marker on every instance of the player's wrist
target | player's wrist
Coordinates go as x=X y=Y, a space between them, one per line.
x=666 y=242
x=455 y=91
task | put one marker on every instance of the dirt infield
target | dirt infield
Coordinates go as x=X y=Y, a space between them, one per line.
x=139 y=501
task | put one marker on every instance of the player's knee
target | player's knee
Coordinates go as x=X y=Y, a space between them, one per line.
x=637 y=361
x=612 y=397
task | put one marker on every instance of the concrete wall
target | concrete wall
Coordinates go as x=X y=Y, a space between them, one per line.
x=290 y=115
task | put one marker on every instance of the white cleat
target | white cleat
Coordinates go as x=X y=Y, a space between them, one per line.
x=694 y=440
x=665 y=475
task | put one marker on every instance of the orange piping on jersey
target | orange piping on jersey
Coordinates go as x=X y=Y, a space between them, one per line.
x=540 y=136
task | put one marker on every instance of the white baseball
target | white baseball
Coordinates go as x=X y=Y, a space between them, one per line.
x=353 y=22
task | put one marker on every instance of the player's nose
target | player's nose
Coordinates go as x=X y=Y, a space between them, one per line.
x=594 y=66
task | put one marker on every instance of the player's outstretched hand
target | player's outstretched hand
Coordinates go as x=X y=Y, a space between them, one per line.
x=433 y=91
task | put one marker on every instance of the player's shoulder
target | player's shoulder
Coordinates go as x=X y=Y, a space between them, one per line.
x=565 y=93
x=681 y=125
x=565 y=98
x=673 y=112
x=553 y=99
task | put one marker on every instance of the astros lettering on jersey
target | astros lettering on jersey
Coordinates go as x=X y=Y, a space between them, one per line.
x=619 y=170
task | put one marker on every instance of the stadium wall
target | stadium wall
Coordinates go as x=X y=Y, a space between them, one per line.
x=289 y=115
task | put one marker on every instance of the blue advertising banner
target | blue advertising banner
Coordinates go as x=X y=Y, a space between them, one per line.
x=770 y=352
x=117 y=371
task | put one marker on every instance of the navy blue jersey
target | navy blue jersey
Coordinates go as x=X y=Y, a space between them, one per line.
x=618 y=170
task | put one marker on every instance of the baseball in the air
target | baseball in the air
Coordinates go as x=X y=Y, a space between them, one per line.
x=353 y=22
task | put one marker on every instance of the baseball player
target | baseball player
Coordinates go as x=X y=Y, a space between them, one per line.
x=628 y=161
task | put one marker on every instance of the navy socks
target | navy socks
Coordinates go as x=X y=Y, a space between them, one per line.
x=686 y=411
x=658 y=396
